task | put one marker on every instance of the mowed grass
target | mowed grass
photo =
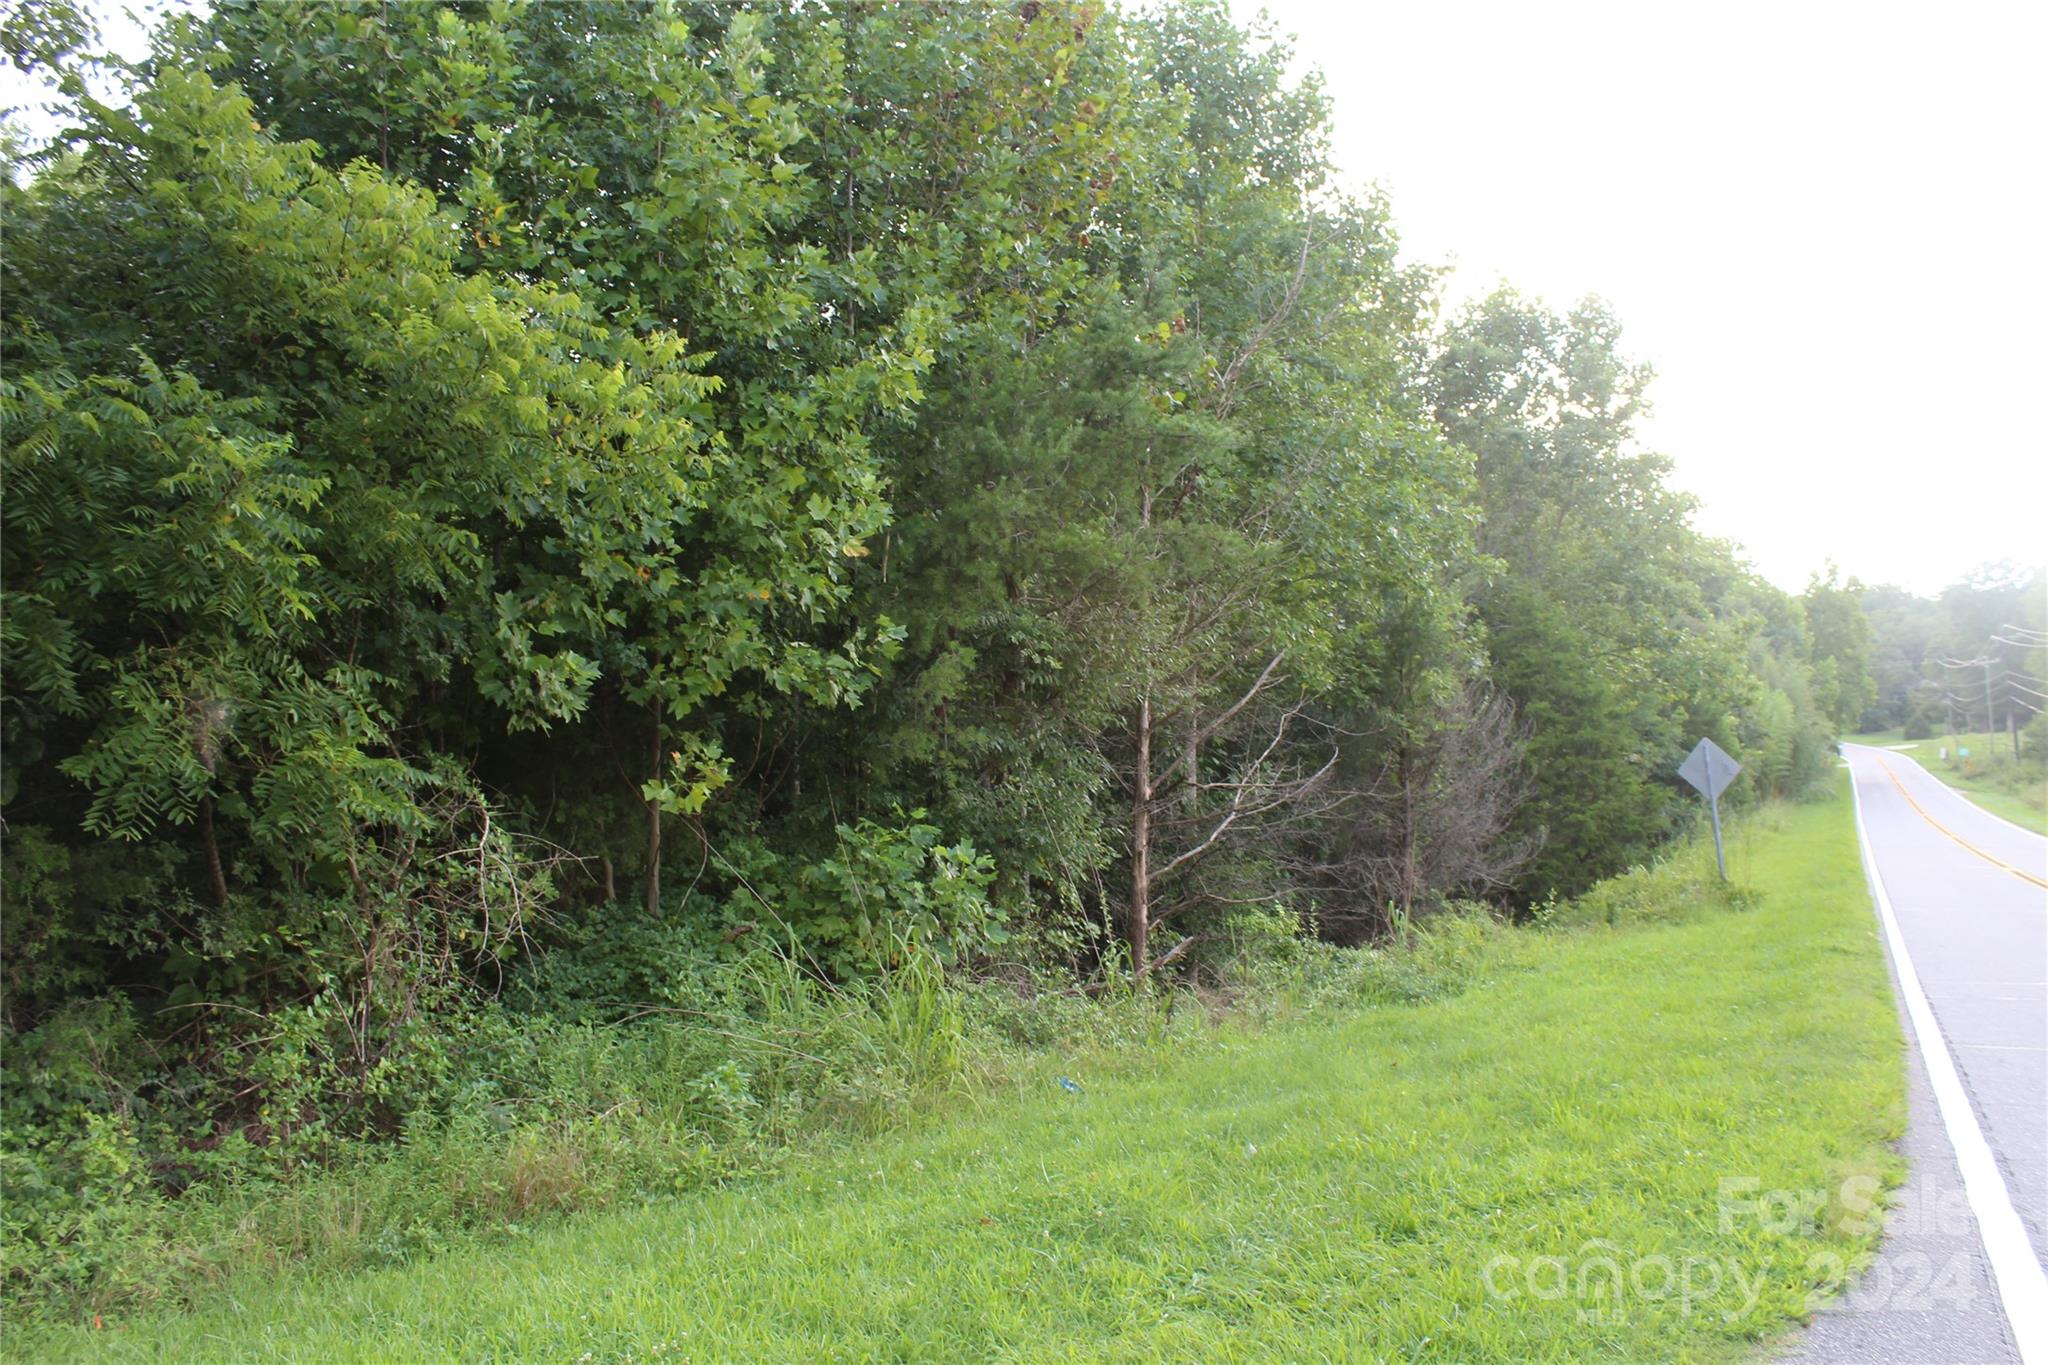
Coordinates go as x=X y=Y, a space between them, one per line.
x=1445 y=1181
x=2010 y=787
x=1881 y=738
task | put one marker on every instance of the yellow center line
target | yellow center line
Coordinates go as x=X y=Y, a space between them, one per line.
x=1965 y=843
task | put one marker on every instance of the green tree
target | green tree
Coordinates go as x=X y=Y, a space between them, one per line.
x=1902 y=632
x=1131 y=557
x=1603 y=623
x=1839 y=641
x=313 y=477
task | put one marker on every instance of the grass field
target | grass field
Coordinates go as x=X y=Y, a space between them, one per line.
x=1885 y=738
x=1559 y=1163
x=2014 y=788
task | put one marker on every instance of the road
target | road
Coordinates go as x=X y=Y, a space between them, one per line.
x=1959 y=1276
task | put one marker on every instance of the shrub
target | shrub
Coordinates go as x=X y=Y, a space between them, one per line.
x=885 y=892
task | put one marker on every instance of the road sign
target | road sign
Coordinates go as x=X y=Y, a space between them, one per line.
x=1710 y=770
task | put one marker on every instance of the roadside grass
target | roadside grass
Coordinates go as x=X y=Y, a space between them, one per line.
x=1992 y=776
x=1556 y=1162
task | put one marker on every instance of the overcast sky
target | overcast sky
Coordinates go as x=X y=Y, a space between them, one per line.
x=1822 y=224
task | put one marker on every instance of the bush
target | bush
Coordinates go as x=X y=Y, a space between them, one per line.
x=1431 y=959
x=122 y=1191
x=885 y=891
x=617 y=961
x=1682 y=885
x=506 y=1114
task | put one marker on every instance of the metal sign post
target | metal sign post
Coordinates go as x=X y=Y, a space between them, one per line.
x=1710 y=770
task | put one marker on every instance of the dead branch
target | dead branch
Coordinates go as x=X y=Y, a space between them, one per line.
x=1224 y=399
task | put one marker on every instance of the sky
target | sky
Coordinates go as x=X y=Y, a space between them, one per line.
x=1822 y=224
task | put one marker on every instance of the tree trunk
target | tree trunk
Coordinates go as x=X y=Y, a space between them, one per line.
x=654 y=824
x=1141 y=844
x=1407 y=833
x=213 y=869
x=1141 y=795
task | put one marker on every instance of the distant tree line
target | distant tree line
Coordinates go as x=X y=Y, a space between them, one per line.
x=1969 y=660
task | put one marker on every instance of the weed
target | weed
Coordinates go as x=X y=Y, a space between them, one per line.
x=1345 y=1176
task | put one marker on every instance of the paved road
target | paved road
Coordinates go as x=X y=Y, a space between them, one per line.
x=1969 y=893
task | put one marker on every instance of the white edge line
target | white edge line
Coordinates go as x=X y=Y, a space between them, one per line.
x=2022 y=1285
x=1959 y=794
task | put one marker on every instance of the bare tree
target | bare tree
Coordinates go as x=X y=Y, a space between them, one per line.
x=1437 y=821
x=1264 y=779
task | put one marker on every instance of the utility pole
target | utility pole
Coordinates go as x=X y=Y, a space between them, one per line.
x=2018 y=680
x=2012 y=637
x=1990 y=717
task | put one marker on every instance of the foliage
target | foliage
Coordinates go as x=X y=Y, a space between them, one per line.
x=1622 y=634
x=1973 y=656
x=1840 y=640
x=586 y=585
x=1211 y=1204
x=1105 y=540
x=886 y=894
x=1434 y=820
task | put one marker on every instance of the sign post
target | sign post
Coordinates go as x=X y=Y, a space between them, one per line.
x=1710 y=770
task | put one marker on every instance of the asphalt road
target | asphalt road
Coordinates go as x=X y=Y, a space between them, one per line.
x=1969 y=896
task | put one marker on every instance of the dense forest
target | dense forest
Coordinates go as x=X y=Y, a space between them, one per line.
x=517 y=514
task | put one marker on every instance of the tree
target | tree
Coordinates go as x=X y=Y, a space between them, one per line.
x=453 y=451
x=1600 y=624
x=812 y=195
x=1902 y=631
x=1923 y=651
x=1839 y=640
x=1130 y=554
x=1436 y=818
x=261 y=511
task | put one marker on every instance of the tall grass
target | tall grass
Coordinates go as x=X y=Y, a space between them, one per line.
x=771 y=1068
x=1337 y=1179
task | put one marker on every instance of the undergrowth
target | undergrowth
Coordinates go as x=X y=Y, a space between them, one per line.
x=1475 y=1143
x=744 y=1068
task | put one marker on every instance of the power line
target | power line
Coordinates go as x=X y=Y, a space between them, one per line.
x=2002 y=674
x=2007 y=680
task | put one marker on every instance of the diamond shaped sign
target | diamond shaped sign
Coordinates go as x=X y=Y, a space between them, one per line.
x=1709 y=768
